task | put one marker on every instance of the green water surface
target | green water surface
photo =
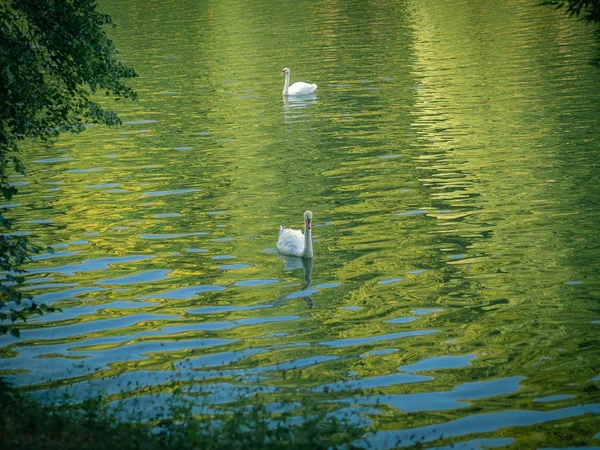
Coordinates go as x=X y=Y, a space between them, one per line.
x=450 y=157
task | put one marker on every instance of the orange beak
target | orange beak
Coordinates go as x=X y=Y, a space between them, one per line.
x=308 y=224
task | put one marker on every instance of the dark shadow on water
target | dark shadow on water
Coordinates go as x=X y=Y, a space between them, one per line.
x=588 y=10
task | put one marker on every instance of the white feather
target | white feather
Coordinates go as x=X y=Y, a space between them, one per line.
x=302 y=88
x=298 y=88
x=291 y=242
x=294 y=242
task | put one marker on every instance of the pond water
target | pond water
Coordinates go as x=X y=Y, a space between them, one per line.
x=450 y=157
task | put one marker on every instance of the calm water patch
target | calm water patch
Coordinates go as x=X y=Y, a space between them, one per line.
x=166 y=215
x=402 y=320
x=553 y=398
x=234 y=266
x=391 y=280
x=425 y=311
x=53 y=160
x=302 y=293
x=413 y=212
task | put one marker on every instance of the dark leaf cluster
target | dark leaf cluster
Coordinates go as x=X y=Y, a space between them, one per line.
x=589 y=9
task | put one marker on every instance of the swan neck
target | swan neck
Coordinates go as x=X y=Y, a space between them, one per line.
x=287 y=83
x=307 y=263
x=308 y=248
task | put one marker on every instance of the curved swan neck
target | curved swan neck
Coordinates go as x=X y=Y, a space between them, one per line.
x=308 y=248
x=287 y=83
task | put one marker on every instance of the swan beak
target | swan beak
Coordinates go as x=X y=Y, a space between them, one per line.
x=282 y=72
x=308 y=224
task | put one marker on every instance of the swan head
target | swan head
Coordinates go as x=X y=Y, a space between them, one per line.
x=285 y=71
x=308 y=219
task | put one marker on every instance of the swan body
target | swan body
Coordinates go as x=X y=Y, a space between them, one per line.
x=294 y=242
x=298 y=88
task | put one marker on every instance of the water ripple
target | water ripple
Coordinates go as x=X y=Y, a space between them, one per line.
x=225 y=308
x=70 y=313
x=144 y=277
x=439 y=362
x=183 y=293
x=171 y=192
x=90 y=265
x=173 y=235
x=59 y=332
x=372 y=382
x=477 y=423
x=382 y=337
x=446 y=400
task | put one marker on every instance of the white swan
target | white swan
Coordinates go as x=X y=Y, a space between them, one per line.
x=293 y=242
x=298 y=88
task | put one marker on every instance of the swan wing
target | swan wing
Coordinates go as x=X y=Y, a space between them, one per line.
x=291 y=242
x=302 y=88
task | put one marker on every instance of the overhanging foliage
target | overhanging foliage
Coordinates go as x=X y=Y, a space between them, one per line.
x=54 y=56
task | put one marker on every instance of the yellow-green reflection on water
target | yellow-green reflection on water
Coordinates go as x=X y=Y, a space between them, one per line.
x=450 y=160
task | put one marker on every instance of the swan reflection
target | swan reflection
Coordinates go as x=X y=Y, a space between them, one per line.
x=298 y=102
x=294 y=263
